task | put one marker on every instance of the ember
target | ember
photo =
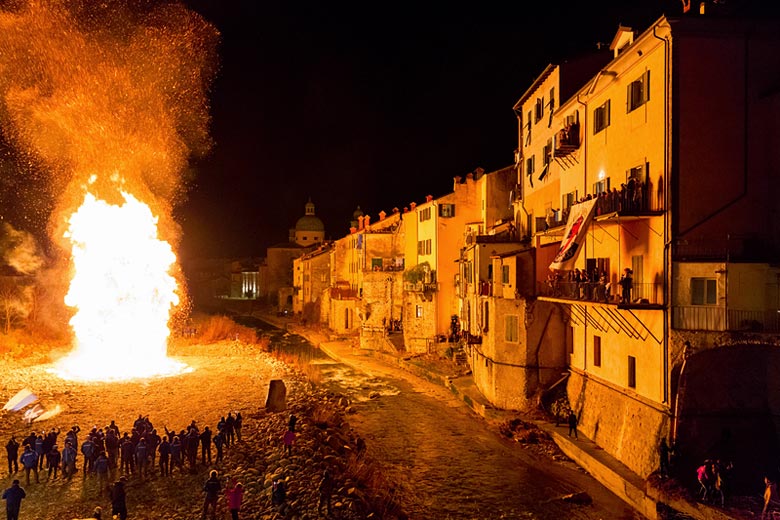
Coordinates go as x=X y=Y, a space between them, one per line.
x=109 y=100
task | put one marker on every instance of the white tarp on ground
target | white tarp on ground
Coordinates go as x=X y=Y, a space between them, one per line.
x=22 y=398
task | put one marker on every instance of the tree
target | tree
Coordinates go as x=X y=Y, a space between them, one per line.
x=14 y=301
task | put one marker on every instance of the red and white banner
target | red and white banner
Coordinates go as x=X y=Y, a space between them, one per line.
x=579 y=219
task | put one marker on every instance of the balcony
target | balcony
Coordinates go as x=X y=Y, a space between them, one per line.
x=421 y=287
x=485 y=289
x=642 y=294
x=343 y=293
x=713 y=318
x=568 y=140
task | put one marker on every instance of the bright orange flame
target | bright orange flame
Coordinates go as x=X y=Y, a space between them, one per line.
x=123 y=293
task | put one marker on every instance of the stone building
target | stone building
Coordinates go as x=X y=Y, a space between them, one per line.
x=367 y=266
x=308 y=234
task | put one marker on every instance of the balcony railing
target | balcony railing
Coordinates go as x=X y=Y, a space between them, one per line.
x=641 y=293
x=421 y=287
x=568 y=140
x=342 y=293
x=709 y=317
x=485 y=289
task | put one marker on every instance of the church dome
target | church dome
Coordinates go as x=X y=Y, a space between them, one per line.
x=309 y=222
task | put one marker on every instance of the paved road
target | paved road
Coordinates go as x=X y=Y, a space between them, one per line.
x=448 y=462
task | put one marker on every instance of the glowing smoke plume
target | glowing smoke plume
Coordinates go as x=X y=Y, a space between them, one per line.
x=111 y=99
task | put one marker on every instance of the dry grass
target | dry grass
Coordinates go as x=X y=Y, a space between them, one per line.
x=323 y=416
x=301 y=363
x=211 y=329
x=379 y=492
x=21 y=346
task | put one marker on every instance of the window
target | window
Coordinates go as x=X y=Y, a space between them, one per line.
x=425 y=214
x=569 y=199
x=424 y=247
x=551 y=103
x=596 y=351
x=547 y=152
x=704 y=291
x=601 y=117
x=418 y=311
x=446 y=210
x=529 y=165
x=511 y=326
x=631 y=372
x=505 y=274
x=539 y=110
x=528 y=129
x=601 y=186
x=485 y=317
x=638 y=92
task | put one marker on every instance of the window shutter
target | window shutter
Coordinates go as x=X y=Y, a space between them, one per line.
x=629 y=92
x=647 y=86
x=607 y=115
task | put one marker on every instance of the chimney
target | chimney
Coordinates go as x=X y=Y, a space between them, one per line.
x=428 y=198
x=413 y=205
x=353 y=229
x=396 y=210
x=382 y=215
x=360 y=222
x=469 y=177
x=367 y=220
x=406 y=210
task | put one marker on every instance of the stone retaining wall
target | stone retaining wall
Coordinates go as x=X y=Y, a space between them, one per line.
x=627 y=428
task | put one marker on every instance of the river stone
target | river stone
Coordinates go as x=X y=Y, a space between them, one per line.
x=277 y=396
x=578 y=498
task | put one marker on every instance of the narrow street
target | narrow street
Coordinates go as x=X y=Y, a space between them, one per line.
x=447 y=462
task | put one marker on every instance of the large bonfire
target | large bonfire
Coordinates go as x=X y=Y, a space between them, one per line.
x=122 y=290
x=110 y=102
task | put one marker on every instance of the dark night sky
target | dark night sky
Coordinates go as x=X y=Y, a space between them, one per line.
x=372 y=104
x=376 y=106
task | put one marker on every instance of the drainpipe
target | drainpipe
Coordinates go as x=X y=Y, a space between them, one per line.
x=667 y=223
x=584 y=185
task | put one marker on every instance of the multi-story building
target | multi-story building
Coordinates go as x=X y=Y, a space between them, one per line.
x=658 y=257
x=311 y=272
x=495 y=271
x=434 y=236
x=366 y=267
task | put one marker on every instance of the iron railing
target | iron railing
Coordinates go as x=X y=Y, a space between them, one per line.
x=641 y=293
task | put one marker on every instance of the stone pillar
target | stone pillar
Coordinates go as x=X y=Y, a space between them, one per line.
x=277 y=396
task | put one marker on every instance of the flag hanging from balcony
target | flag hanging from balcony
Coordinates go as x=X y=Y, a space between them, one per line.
x=579 y=219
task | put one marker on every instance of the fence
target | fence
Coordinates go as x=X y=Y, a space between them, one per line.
x=708 y=317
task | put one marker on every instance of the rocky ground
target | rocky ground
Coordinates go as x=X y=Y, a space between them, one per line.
x=228 y=376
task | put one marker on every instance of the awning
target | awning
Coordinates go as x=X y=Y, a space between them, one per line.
x=579 y=219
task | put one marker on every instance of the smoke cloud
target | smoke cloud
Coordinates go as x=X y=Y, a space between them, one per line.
x=20 y=250
x=110 y=93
